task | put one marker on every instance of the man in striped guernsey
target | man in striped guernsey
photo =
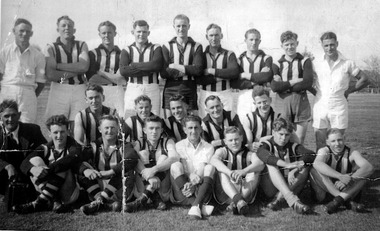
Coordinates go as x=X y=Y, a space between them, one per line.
x=341 y=172
x=157 y=154
x=255 y=68
x=221 y=66
x=285 y=174
x=238 y=171
x=134 y=124
x=258 y=124
x=216 y=120
x=178 y=109
x=293 y=76
x=183 y=64
x=140 y=64
x=100 y=174
x=66 y=62
x=86 y=127
x=104 y=66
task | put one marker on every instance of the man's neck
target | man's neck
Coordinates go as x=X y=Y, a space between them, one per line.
x=264 y=115
x=214 y=50
x=66 y=41
x=182 y=41
x=109 y=47
x=153 y=142
x=217 y=120
x=109 y=143
x=290 y=57
x=195 y=143
x=141 y=46
x=97 y=112
x=22 y=46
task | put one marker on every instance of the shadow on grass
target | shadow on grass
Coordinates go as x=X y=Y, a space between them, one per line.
x=371 y=193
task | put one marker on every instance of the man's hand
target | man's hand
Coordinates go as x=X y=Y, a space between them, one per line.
x=194 y=179
x=245 y=75
x=148 y=173
x=237 y=175
x=39 y=172
x=346 y=179
x=154 y=182
x=92 y=174
x=296 y=164
x=253 y=147
x=277 y=78
x=216 y=143
x=188 y=189
x=265 y=69
x=209 y=71
x=11 y=171
x=107 y=174
x=294 y=81
x=292 y=177
x=339 y=185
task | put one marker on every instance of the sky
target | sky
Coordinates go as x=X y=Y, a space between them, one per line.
x=356 y=23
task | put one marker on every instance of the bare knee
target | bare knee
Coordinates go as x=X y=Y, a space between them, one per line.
x=37 y=162
x=209 y=171
x=176 y=169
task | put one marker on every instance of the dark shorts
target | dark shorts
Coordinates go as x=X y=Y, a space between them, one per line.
x=186 y=88
x=296 y=106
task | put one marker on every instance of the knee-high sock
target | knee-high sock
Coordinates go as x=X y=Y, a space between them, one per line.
x=204 y=190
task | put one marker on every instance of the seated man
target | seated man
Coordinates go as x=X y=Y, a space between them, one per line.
x=87 y=120
x=216 y=120
x=258 y=124
x=156 y=154
x=135 y=124
x=192 y=177
x=238 y=170
x=101 y=172
x=178 y=110
x=51 y=169
x=286 y=172
x=341 y=172
x=14 y=136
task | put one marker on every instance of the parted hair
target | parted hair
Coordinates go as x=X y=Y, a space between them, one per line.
x=232 y=130
x=191 y=118
x=142 y=98
x=107 y=23
x=328 y=35
x=108 y=117
x=259 y=90
x=212 y=97
x=60 y=120
x=8 y=103
x=177 y=98
x=288 y=35
x=94 y=87
x=281 y=123
x=22 y=20
x=153 y=118
x=140 y=23
x=183 y=17
x=331 y=131
x=252 y=31
x=64 y=17
x=213 y=25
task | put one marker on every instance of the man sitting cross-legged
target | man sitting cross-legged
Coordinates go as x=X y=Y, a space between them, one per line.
x=192 y=177
x=341 y=172
x=286 y=172
x=101 y=172
x=51 y=169
x=238 y=172
x=157 y=154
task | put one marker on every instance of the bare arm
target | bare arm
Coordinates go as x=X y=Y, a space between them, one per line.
x=77 y=67
x=79 y=131
x=362 y=82
x=365 y=167
x=52 y=73
x=217 y=162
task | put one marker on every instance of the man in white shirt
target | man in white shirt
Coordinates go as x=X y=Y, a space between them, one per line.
x=22 y=71
x=333 y=87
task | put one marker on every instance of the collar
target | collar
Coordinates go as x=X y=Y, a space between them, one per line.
x=259 y=53
x=189 y=144
x=69 y=142
x=219 y=50
x=58 y=40
x=14 y=133
x=189 y=40
x=340 y=57
x=208 y=118
x=15 y=47
x=269 y=115
x=283 y=59
x=115 y=48
x=148 y=44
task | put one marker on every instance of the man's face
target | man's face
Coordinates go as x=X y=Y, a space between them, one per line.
x=141 y=34
x=94 y=99
x=193 y=131
x=181 y=27
x=336 y=142
x=178 y=109
x=107 y=35
x=330 y=47
x=290 y=47
x=214 y=37
x=66 y=28
x=10 y=118
x=153 y=130
x=143 y=109
x=253 y=41
x=233 y=141
x=281 y=137
x=59 y=133
x=262 y=103
x=22 y=33
x=109 y=129
x=215 y=108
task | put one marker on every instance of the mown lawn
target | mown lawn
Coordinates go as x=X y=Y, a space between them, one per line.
x=363 y=134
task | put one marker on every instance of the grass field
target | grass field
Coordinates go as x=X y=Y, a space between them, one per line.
x=363 y=134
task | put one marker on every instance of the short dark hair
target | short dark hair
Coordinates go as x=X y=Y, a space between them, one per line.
x=328 y=35
x=213 y=25
x=59 y=120
x=94 y=87
x=107 y=23
x=252 y=31
x=259 y=90
x=288 y=35
x=189 y=118
x=333 y=131
x=22 y=20
x=232 y=130
x=183 y=17
x=177 y=98
x=142 y=98
x=212 y=97
x=110 y=118
x=64 y=17
x=155 y=119
x=8 y=103
x=140 y=23
x=281 y=123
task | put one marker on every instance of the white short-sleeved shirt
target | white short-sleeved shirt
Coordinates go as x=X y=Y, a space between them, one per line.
x=194 y=157
x=22 y=69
